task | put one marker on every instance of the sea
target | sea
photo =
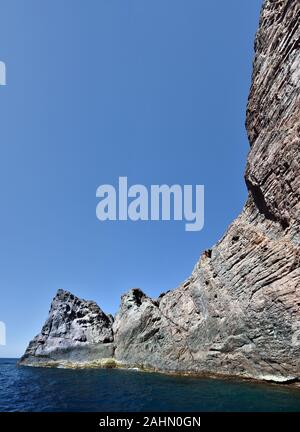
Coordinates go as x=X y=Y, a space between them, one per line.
x=109 y=390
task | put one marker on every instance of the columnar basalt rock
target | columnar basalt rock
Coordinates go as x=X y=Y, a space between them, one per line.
x=238 y=314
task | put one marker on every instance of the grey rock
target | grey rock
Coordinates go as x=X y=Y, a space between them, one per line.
x=238 y=313
x=76 y=330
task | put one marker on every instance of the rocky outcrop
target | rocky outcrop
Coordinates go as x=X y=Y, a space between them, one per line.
x=238 y=313
x=76 y=330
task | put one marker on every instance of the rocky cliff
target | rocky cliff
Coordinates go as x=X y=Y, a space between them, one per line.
x=238 y=313
x=76 y=330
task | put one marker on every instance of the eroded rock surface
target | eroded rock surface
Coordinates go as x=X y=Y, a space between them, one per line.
x=238 y=313
x=76 y=330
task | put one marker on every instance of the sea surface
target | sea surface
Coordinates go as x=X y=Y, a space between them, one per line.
x=38 y=389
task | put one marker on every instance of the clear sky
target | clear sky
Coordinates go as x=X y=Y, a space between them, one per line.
x=154 y=90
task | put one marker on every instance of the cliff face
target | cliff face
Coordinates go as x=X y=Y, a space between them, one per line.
x=74 y=331
x=238 y=313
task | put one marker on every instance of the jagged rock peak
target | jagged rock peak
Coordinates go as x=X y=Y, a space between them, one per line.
x=72 y=324
x=134 y=297
x=74 y=308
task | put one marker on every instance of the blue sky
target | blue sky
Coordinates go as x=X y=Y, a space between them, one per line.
x=152 y=90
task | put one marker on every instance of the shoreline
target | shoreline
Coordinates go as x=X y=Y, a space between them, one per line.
x=111 y=363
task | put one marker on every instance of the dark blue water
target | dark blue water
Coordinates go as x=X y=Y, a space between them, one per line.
x=37 y=389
